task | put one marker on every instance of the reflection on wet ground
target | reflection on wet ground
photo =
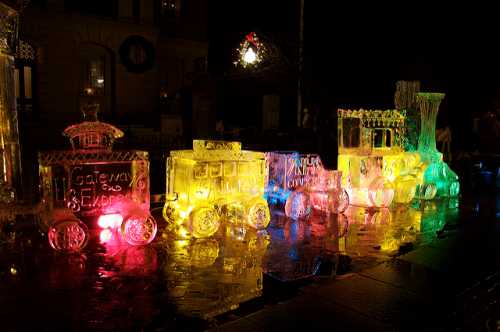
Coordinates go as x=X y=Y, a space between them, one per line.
x=208 y=277
x=302 y=248
x=186 y=284
x=324 y=245
x=375 y=234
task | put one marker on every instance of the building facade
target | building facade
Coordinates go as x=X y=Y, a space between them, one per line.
x=142 y=61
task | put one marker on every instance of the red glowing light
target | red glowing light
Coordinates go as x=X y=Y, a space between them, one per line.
x=113 y=220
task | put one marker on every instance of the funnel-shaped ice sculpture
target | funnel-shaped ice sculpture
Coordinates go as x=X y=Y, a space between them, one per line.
x=214 y=183
x=92 y=182
x=435 y=171
x=428 y=104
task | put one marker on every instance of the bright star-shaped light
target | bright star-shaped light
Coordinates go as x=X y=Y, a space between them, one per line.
x=249 y=56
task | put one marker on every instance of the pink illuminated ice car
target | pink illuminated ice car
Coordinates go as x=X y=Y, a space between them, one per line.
x=301 y=183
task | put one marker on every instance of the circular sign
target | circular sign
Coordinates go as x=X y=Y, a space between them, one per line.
x=137 y=54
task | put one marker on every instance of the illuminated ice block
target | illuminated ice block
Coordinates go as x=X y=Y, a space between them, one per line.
x=372 y=155
x=436 y=173
x=10 y=155
x=91 y=181
x=375 y=168
x=301 y=183
x=215 y=182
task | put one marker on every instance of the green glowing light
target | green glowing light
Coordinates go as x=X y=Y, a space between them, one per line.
x=437 y=172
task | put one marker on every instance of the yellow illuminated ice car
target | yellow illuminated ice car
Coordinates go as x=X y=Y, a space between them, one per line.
x=215 y=182
x=376 y=170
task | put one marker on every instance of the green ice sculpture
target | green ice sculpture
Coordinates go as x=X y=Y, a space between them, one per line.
x=436 y=173
x=405 y=98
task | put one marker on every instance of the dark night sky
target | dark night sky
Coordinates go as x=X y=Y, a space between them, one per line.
x=355 y=54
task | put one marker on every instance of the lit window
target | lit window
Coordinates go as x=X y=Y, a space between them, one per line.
x=96 y=79
x=23 y=76
x=93 y=77
x=169 y=7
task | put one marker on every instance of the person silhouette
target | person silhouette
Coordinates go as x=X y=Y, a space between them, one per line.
x=307 y=119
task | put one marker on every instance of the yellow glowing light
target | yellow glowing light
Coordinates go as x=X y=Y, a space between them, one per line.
x=215 y=182
x=249 y=56
x=389 y=244
x=183 y=214
x=376 y=170
x=13 y=271
x=250 y=52
x=180 y=244
x=391 y=228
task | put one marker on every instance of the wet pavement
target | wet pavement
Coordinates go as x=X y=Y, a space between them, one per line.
x=429 y=266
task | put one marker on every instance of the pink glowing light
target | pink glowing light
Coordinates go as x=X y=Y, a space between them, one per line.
x=113 y=220
x=105 y=235
x=133 y=224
